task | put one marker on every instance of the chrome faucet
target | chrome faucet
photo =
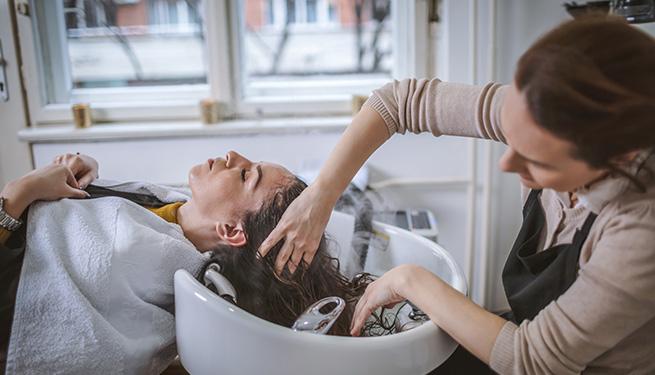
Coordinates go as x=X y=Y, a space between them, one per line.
x=223 y=286
x=315 y=321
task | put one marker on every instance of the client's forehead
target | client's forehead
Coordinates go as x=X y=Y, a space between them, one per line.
x=273 y=175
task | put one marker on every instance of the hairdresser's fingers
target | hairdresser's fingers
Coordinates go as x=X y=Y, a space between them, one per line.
x=360 y=318
x=308 y=257
x=292 y=266
x=361 y=303
x=283 y=256
x=390 y=305
x=355 y=319
x=296 y=258
x=273 y=238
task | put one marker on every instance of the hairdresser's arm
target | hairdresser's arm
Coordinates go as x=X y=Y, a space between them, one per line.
x=399 y=106
x=305 y=220
x=472 y=326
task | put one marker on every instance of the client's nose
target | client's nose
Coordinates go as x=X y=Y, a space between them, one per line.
x=234 y=159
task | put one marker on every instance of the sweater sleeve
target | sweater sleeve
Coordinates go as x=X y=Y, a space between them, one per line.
x=421 y=105
x=611 y=299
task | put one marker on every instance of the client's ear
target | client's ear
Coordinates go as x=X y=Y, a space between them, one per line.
x=233 y=235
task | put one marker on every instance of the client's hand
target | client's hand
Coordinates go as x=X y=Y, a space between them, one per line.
x=83 y=167
x=51 y=182
x=301 y=228
x=386 y=291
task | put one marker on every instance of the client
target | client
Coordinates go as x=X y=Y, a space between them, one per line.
x=233 y=205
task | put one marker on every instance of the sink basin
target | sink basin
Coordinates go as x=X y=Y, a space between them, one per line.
x=215 y=337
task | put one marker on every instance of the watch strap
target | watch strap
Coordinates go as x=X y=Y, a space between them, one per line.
x=6 y=221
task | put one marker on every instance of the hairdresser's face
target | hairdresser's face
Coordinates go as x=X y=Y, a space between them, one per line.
x=224 y=188
x=541 y=159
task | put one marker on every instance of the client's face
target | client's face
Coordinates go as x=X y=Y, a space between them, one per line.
x=225 y=188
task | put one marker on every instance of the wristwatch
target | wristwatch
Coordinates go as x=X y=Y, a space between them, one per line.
x=7 y=222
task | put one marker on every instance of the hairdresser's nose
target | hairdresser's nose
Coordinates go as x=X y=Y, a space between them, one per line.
x=233 y=159
x=511 y=162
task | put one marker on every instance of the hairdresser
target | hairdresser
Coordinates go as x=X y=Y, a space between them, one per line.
x=578 y=120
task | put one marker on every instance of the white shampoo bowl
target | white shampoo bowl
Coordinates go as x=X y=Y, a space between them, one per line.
x=214 y=337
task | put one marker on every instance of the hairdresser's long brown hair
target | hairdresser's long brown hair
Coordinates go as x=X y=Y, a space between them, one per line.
x=282 y=299
x=591 y=81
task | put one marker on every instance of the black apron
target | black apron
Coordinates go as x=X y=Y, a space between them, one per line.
x=532 y=278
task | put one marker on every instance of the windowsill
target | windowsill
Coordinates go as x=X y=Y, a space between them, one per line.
x=188 y=129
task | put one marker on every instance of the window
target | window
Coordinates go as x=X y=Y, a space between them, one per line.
x=311 y=11
x=310 y=52
x=153 y=43
x=138 y=60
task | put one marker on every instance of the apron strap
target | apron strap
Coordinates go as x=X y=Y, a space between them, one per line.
x=582 y=233
x=533 y=198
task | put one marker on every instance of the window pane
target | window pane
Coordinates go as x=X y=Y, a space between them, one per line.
x=311 y=11
x=135 y=42
x=315 y=40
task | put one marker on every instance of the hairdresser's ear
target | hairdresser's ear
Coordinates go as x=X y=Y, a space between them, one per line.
x=233 y=235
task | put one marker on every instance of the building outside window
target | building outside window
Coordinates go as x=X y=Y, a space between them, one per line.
x=306 y=43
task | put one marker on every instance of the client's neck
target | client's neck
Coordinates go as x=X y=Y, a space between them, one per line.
x=200 y=232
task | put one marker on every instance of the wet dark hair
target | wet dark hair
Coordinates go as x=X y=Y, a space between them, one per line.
x=281 y=299
x=591 y=81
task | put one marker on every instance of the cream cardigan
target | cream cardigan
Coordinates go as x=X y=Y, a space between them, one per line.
x=605 y=322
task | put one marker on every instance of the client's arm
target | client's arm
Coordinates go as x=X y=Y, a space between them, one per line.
x=55 y=181
x=65 y=178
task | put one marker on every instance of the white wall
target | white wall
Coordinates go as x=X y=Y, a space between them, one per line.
x=15 y=159
x=520 y=23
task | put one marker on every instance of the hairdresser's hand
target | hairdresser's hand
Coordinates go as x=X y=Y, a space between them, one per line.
x=386 y=291
x=83 y=167
x=301 y=228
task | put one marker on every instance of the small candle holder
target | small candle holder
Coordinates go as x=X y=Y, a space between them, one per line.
x=357 y=102
x=210 y=111
x=81 y=115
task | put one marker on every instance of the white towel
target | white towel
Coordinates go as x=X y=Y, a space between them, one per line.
x=96 y=289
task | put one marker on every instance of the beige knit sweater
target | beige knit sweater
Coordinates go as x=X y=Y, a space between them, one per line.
x=605 y=322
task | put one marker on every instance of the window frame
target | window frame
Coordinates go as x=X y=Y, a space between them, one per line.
x=407 y=27
x=223 y=51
